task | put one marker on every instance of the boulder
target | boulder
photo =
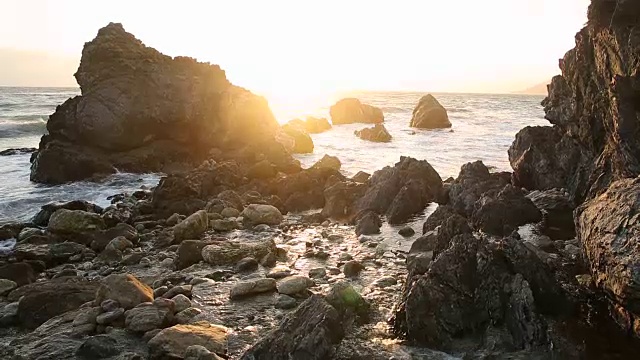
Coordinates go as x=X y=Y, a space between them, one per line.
x=429 y=114
x=351 y=110
x=340 y=200
x=310 y=332
x=50 y=254
x=252 y=287
x=142 y=111
x=504 y=212
x=147 y=317
x=606 y=227
x=22 y=273
x=125 y=289
x=256 y=214
x=378 y=133
x=189 y=253
x=302 y=141
x=230 y=252
x=43 y=216
x=173 y=342
x=36 y=306
x=192 y=227
x=74 y=222
x=473 y=181
x=368 y=223
x=293 y=285
x=401 y=191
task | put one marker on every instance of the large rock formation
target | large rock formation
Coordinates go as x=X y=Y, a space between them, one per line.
x=430 y=114
x=378 y=133
x=592 y=107
x=141 y=110
x=351 y=110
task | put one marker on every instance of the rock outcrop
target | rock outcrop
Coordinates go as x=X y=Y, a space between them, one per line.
x=302 y=142
x=351 y=110
x=141 y=111
x=430 y=114
x=378 y=133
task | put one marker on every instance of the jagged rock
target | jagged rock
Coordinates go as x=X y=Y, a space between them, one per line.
x=173 y=342
x=351 y=110
x=368 y=223
x=98 y=347
x=406 y=231
x=230 y=252
x=503 y=212
x=192 y=227
x=434 y=220
x=340 y=200
x=257 y=214
x=141 y=111
x=328 y=162
x=252 y=287
x=606 y=227
x=361 y=177
x=430 y=114
x=378 y=133
x=247 y=264
x=310 y=332
x=65 y=221
x=36 y=305
x=302 y=141
x=474 y=180
x=401 y=191
x=557 y=209
x=126 y=289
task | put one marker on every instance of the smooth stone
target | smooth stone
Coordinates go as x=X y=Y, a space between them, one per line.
x=252 y=287
x=406 y=231
x=109 y=317
x=182 y=302
x=294 y=285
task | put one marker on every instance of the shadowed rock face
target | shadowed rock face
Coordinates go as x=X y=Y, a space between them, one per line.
x=430 y=114
x=593 y=106
x=141 y=110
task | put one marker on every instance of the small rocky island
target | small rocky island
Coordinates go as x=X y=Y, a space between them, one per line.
x=240 y=253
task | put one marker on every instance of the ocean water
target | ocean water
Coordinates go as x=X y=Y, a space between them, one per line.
x=483 y=129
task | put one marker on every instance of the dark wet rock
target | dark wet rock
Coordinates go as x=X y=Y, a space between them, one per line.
x=98 y=347
x=230 y=252
x=43 y=216
x=430 y=114
x=351 y=110
x=72 y=222
x=473 y=181
x=401 y=191
x=340 y=200
x=606 y=227
x=192 y=227
x=247 y=264
x=19 y=151
x=126 y=289
x=557 y=210
x=21 y=272
x=252 y=287
x=302 y=141
x=310 y=332
x=6 y=286
x=368 y=223
x=173 y=342
x=406 y=231
x=378 y=133
x=434 y=220
x=425 y=243
x=163 y=120
x=352 y=268
x=503 y=212
x=35 y=306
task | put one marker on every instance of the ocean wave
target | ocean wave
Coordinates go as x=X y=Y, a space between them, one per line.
x=28 y=125
x=394 y=109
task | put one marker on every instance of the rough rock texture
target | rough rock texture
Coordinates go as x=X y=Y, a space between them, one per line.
x=230 y=252
x=351 y=110
x=378 y=133
x=504 y=212
x=430 y=114
x=340 y=200
x=310 y=332
x=401 y=191
x=192 y=227
x=592 y=107
x=141 y=110
x=608 y=227
x=473 y=181
x=172 y=343
x=557 y=210
x=65 y=221
x=256 y=214
x=125 y=289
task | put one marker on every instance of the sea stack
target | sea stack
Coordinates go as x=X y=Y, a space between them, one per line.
x=430 y=114
x=351 y=110
x=378 y=133
x=593 y=150
x=141 y=111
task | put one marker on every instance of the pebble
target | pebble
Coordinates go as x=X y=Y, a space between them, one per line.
x=109 y=317
x=279 y=273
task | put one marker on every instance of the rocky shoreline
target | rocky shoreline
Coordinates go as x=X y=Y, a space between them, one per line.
x=240 y=253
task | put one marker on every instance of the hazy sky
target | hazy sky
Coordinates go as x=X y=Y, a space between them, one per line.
x=298 y=46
